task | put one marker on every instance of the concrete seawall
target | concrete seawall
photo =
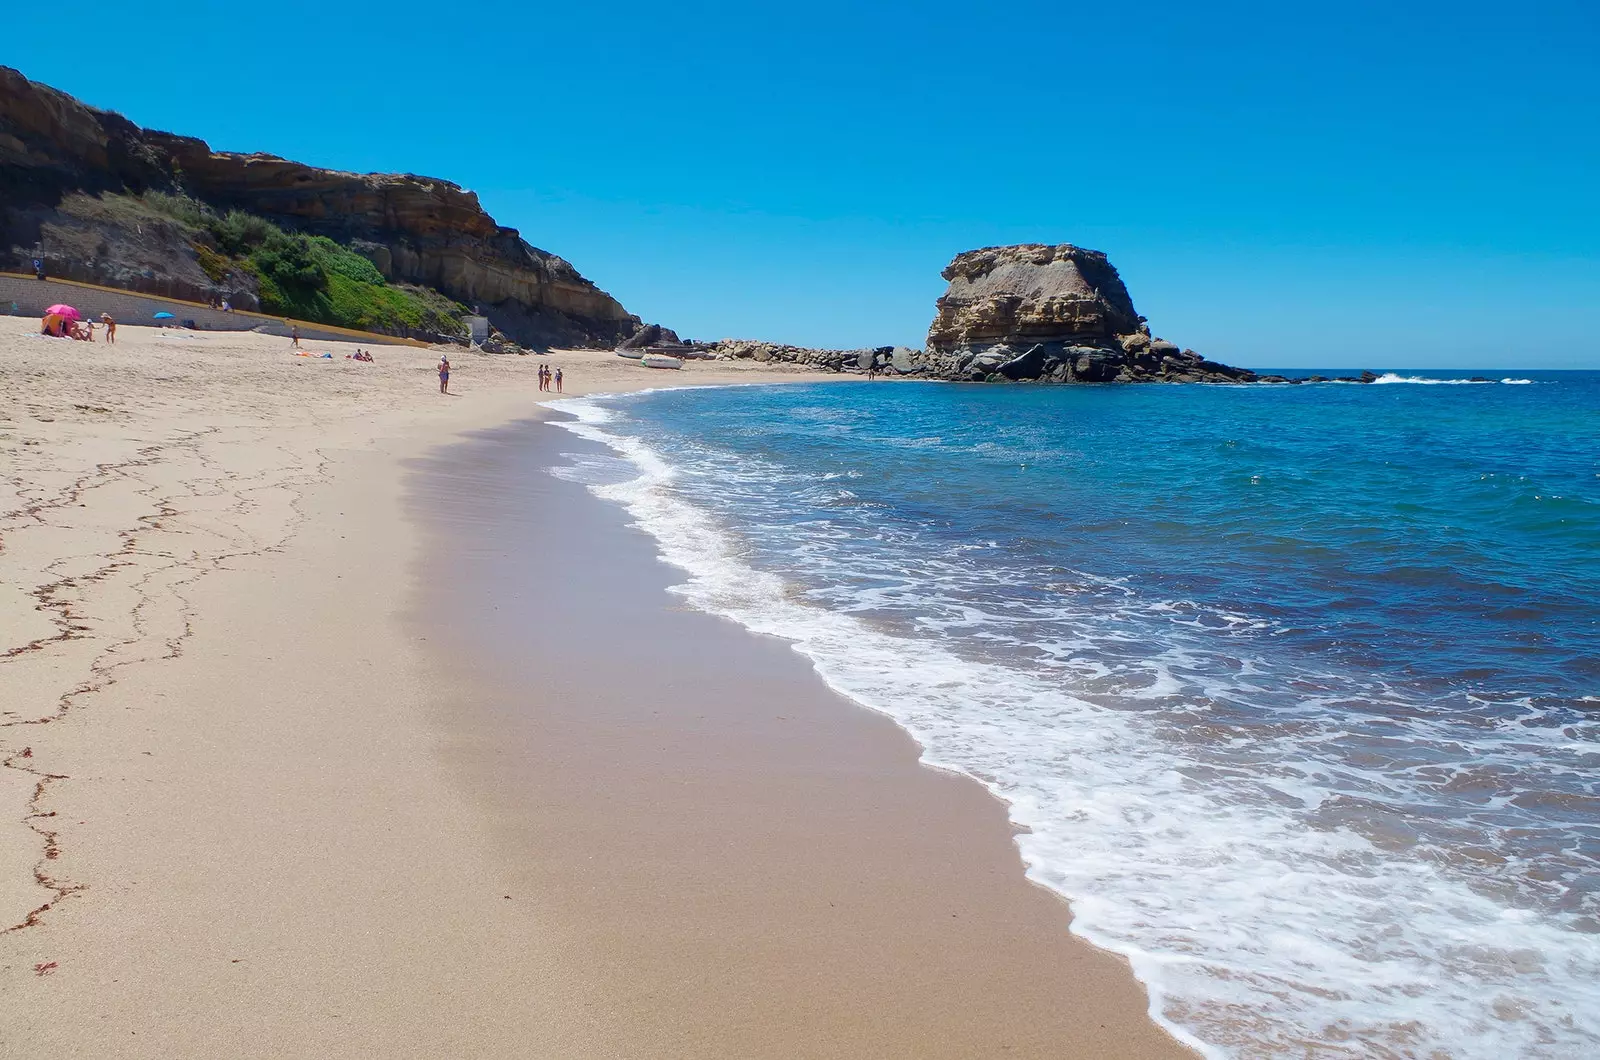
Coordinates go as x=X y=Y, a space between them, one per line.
x=26 y=296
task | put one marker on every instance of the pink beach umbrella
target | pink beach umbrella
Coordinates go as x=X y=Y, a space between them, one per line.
x=65 y=312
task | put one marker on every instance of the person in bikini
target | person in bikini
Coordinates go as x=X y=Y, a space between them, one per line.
x=111 y=328
x=444 y=375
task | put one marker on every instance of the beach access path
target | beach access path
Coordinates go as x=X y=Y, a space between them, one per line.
x=228 y=822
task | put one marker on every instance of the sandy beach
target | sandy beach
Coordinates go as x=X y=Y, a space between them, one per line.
x=301 y=761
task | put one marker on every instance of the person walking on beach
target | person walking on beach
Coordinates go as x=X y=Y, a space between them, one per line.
x=558 y=380
x=444 y=374
x=294 y=336
x=111 y=328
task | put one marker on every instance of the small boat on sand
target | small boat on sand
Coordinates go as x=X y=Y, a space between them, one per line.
x=630 y=354
x=658 y=360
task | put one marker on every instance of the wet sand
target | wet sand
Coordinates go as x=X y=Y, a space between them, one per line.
x=749 y=864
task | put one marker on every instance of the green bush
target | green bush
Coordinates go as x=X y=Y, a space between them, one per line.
x=239 y=233
x=180 y=207
x=335 y=259
x=288 y=261
x=213 y=264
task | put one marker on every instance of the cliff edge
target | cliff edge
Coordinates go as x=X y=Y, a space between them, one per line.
x=1052 y=313
x=73 y=180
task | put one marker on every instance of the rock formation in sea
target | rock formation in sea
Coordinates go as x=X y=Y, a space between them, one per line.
x=71 y=178
x=1053 y=313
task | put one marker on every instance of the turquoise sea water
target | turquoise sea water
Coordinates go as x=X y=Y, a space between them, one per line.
x=1297 y=689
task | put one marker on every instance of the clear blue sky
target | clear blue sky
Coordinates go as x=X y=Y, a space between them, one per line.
x=1401 y=183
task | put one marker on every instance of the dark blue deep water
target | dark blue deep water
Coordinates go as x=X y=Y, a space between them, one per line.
x=1297 y=688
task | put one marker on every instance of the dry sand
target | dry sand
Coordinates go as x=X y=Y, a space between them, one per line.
x=247 y=810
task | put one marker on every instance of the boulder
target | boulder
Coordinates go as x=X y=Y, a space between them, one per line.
x=1093 y=365
x=650 y=335
x=982 y=365
x=1027 y=366
x=906 y=361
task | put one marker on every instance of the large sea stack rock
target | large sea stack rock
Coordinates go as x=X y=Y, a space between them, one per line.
x=418 y=230
x=1055 y=313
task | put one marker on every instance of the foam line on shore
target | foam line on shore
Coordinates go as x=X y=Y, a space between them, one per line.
x=722 y=584
x=910 y=681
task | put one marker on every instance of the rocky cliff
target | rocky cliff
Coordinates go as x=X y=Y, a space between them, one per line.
x=54 y=150
x=1056 y=313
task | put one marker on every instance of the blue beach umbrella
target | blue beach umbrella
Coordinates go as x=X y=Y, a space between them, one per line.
x=163 y=316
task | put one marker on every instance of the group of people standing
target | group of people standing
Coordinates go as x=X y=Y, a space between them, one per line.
x=548 y=379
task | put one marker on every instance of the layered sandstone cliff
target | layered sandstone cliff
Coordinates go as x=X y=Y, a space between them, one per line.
x=417 y=230
x=1056 y=313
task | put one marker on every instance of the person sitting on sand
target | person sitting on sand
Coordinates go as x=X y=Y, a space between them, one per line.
x=111 y=328
x=444 y=374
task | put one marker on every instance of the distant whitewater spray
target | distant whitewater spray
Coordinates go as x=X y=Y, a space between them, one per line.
x=1295 y=689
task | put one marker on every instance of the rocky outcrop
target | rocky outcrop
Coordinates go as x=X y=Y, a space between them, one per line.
x=417 y=230
x=1054 y=313
x=889 y=359
x=650 y=335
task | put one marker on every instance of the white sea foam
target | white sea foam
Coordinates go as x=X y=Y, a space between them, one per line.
x=1422 y=380
x=1392 y=377
x=1258 y=931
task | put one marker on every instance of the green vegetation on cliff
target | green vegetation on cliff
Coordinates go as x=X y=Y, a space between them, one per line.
x=306 y=277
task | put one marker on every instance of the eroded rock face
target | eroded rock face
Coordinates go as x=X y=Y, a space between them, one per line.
x=1054 y=313
x=418 y=230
